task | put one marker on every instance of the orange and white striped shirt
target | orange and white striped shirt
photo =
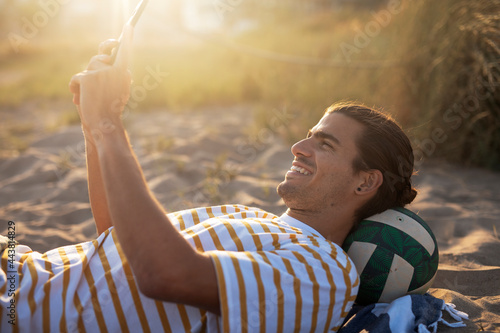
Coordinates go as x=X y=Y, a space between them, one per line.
x=275 y=274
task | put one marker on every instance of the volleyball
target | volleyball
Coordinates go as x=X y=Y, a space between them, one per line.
x=395 y=253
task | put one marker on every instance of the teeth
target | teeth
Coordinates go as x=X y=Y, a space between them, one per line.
x=300 y=170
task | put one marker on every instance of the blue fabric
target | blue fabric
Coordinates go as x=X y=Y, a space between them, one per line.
x=409 y=313
x=425 y=309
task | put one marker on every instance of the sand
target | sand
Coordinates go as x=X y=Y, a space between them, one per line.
x=215 y=156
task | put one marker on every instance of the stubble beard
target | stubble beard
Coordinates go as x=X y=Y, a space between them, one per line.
x=300 y=198
x=294 y=197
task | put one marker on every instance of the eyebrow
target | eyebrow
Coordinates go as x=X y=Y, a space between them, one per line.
x=323 y=135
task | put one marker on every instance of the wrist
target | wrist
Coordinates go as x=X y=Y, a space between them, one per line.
x=89 y=142
x=96 y=132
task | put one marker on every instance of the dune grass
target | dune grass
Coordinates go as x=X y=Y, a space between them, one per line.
x=455 y=70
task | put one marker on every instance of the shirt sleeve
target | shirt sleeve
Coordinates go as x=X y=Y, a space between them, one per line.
x=284 y=290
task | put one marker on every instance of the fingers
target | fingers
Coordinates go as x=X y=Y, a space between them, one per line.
x=107 y=46
x=99 y=61
x=123 y=55
x=104 y=59
x=106 y=49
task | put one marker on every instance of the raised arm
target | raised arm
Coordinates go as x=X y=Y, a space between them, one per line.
x=165 y=265
x=97 y=194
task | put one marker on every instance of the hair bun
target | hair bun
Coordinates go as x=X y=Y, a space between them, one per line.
x=408 y=195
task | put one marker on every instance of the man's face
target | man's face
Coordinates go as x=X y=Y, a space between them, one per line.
x=322 y=176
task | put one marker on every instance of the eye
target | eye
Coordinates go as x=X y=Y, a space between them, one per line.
x=326 y=144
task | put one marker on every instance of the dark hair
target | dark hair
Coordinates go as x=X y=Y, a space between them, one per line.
x=382 y=146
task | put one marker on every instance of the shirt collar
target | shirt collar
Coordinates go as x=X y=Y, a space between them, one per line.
x=293 y=222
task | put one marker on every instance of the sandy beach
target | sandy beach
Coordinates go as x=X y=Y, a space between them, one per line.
x=213 y=156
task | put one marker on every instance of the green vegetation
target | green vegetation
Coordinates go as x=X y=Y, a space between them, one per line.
x=14 y=138
x=159 y=143
x=455 y=71
x=433 y=65
x=216 y=176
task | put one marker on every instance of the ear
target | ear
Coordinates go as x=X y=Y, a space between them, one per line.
x=369 y=182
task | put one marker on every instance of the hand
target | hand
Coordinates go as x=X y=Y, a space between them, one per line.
x=102 y=90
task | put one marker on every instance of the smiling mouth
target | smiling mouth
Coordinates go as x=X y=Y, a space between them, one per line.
x=300 y=170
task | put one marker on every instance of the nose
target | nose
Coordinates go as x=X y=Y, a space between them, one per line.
x=302 y=148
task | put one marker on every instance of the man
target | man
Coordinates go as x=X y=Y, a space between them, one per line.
x=227 y=268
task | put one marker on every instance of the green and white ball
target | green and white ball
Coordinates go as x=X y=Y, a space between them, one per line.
x=395 y=253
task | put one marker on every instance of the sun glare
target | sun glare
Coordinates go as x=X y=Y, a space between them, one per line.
x=101 y=19
x=120 y=11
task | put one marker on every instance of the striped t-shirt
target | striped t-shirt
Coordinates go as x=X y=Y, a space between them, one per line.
x=275 y=274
